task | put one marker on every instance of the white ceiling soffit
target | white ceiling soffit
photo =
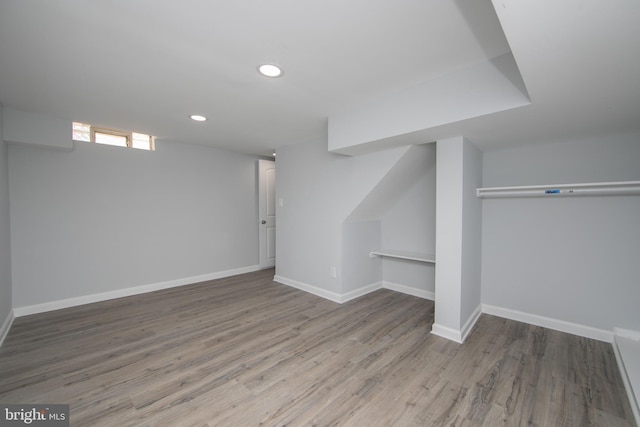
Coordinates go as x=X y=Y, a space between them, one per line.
x=579 y=59
x=474 y=91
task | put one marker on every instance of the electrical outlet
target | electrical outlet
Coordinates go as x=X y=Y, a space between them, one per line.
x=333 y=272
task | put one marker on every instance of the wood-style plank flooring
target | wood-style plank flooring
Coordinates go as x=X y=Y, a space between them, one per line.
x=245 y=351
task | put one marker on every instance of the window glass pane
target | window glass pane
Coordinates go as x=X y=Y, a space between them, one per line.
x=141 y=141
x=142 y=145
x=81 y=132
x=105 y=138
x=85 y=132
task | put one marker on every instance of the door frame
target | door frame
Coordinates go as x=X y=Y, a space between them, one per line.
x=265 y=205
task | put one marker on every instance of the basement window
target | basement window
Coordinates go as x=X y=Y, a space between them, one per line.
x=89 y=133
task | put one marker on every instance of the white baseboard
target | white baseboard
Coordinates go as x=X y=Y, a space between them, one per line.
x=547 y=322
x=471 y=322
x=448 y=333
x=342 y=298
x=455 y=335
x=420 y=293
x=361 y=291
x=331 y=296
x=626 y=347
x=6 y=325
x=626 y=333
x=104 y=296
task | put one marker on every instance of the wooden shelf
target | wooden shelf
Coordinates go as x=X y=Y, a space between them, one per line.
x=413 y=256
x=559 y=190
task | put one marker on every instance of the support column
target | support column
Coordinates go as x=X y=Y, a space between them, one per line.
x=458 y=238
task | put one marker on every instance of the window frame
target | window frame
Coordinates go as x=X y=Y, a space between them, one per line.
x=129 y=137
x=113 y=132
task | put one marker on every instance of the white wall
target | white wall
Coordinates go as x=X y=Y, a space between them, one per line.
x=102 y=218
x=572 y=259
x=327 y=219
x=311 y=183
x=471 y=233
x=5 y=235
x=458 y=238
x=410 y=224
x=359 y=269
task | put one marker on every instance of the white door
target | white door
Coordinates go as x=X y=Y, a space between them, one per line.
x=267 y=212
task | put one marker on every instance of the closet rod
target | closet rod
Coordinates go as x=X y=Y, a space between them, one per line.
x=559 y=190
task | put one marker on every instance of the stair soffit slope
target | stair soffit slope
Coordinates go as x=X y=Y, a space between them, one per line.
x=414 y=164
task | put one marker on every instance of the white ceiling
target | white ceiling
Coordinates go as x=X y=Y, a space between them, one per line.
x=146 y=65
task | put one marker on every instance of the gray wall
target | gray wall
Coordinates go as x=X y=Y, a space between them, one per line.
x=471 y=282
x=311 y=184
x=102 y=218
x=458 y=237
x=5 y=233
x=571 y=259
x=359 y=269
x=333 y=207
x=410 y=224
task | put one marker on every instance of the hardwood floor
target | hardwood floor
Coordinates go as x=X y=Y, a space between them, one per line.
x=245 y=351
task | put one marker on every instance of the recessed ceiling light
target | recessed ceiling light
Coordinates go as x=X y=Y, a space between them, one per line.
x=270 y=70
x=198 y=118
